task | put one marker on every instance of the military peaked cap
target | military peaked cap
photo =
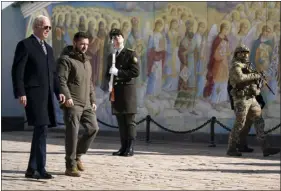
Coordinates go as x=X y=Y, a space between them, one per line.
x=115 y=32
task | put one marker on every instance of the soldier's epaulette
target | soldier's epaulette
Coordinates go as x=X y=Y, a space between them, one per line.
x=130 y=49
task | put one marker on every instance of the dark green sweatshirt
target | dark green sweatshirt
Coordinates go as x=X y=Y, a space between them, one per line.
x=75 y=76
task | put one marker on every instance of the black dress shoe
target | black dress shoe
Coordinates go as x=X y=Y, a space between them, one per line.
x=32 y=174
x=46 y=175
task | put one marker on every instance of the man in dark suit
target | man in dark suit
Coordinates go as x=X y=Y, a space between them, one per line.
x=243 y=145
x=34 y=83
x=123 y=96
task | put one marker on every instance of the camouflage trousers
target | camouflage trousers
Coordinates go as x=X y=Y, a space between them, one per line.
x=245 y=130
x=247 y=109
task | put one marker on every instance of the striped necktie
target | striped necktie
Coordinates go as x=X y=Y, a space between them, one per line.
x=43 y=46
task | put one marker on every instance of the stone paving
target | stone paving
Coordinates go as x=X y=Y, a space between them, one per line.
x=156 y=166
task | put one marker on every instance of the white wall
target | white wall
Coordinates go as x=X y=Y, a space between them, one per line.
x=13 y=30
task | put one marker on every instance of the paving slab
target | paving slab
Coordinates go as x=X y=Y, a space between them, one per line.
x=161 y=165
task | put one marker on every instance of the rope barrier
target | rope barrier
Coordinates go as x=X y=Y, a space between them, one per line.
x=181 y=132
x=212 y=120
x=266 y=132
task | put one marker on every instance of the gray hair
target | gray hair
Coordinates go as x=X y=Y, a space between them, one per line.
x=38 y=21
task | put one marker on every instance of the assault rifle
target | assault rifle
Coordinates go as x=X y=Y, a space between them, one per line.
x=263 y=78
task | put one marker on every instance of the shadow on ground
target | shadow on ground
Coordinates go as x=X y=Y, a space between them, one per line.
x=106 y=145
x=233 y=171
x=18 y=175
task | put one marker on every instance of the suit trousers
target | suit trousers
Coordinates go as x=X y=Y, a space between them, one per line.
x=74 y=146
x=127 y=126
x=37 y=159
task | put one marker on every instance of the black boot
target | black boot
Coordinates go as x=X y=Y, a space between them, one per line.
x=130 y=149
x=270 y=151
x=244 y=149
x=121 y=151
x=233 y=152
x=267 y=150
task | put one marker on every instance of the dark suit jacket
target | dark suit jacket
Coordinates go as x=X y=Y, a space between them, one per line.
x=125 y=83
x=34 y=75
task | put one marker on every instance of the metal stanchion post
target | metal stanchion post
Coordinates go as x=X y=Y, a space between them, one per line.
x=212 y=132
x=148 y=119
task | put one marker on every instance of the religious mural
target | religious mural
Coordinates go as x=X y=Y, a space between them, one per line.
x=184 y=49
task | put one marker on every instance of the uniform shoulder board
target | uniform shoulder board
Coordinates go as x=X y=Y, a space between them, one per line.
x=130 y=49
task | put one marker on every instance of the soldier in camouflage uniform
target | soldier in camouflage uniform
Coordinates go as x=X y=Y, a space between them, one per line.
x=243 y=145
x=246 y=86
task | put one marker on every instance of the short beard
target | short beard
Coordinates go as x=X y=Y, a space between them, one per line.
x=78 y=51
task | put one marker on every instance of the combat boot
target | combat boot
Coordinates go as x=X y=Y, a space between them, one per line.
x=233 y=152
x=80 y=165
x=232 y=148
x=267 y=150
x=72 y=172
x=121 y=151
x=130 y=149
x=244 y=149
x=270 y=151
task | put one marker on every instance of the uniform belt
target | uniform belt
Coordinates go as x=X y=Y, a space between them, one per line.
x=122 y=83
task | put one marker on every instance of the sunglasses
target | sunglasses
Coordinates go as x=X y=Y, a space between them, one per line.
x=46 y=27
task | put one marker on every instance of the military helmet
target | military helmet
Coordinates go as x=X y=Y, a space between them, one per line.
x=241 y=48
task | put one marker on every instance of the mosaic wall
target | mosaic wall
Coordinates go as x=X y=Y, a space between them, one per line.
x=178 y=45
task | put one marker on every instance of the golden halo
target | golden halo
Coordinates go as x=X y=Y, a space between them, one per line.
x=97 y=15
x=201 y=20
x=247 y=22
x=116 y=22
x=74 y=14
x=159 y=20
x=174 y=7
x=57 y=18
x=85 y=19
x=261 y=25
x=101 y=20
x=240 y=5
x=125 y=21
x=93 y=20
x=170 y=6
x=195 y=24
x=173 y=19
x=89 y=14
x=228 y=25
x=235 y=12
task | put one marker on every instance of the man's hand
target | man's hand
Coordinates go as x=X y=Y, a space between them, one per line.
x=114 y=71
x=61 y=98
x=69 y=103
x=94 y=106
x=23 y=100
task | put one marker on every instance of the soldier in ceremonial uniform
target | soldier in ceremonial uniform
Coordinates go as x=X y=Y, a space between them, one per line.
x=243 y=144
x=246 y=86
x=123 y=96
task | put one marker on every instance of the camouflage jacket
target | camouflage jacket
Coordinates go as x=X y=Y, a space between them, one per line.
x=243 y=81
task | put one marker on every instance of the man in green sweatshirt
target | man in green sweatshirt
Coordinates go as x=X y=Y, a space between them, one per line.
x=75 y=72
